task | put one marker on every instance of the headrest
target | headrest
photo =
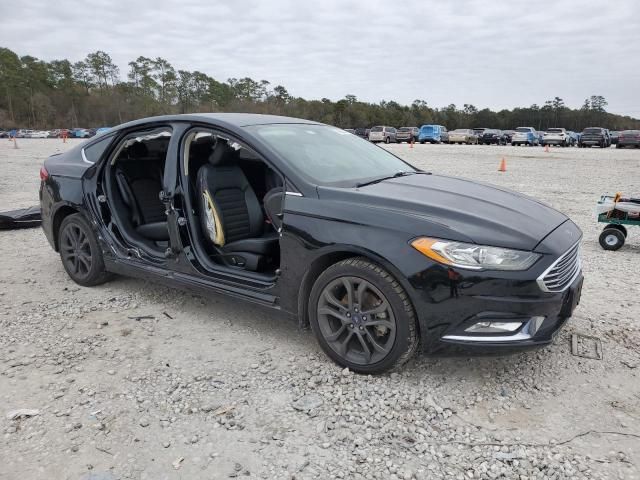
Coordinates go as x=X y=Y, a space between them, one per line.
x=201 y=148
x=138 y=150
x=223 y=154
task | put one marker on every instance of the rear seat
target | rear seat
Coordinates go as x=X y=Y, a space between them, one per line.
x=139 y=179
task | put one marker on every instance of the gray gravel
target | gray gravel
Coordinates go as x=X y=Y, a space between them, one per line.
x=227 y=390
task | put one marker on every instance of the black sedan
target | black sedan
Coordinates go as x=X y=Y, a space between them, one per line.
x=376 y=256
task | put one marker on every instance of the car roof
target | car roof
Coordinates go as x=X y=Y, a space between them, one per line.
x=231 y=119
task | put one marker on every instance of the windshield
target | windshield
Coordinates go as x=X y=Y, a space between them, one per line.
x=327 y=155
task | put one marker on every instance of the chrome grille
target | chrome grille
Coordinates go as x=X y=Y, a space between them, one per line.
x=562 y=272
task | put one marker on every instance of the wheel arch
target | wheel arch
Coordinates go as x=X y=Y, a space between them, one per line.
x=61 y=213
x=335 y=255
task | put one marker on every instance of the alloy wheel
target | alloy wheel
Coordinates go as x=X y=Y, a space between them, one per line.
x=356 y=320
x=76 y=250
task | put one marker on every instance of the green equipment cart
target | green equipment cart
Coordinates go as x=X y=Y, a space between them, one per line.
x=617 y=212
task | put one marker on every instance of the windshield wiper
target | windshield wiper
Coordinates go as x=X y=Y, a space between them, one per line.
x=388 y=177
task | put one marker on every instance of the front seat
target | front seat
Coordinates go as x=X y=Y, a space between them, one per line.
x=230 y=215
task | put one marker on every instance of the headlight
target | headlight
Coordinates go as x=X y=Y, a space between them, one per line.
x=474 y=257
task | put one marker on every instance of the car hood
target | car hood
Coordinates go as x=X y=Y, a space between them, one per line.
x=450 y=208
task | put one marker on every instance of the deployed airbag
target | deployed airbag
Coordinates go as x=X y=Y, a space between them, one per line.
x=22 y=218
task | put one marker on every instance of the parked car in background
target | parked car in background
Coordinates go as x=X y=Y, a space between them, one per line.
x=594 y=136
x=525 y=136
x=362 y=133
x=433 y=134
x=573 y=138
x=4 y=134
x=407 y=134
x=463 y=135
x=382 y=134
x=507 y=135
x=556 y=136
x=479 y=132
x=79 y=133
x=628 y=138
x=24 y=133
x=492 y=136
x=613 y=136
x=40 y=134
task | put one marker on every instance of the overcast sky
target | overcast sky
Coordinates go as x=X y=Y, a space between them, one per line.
x=490 y=53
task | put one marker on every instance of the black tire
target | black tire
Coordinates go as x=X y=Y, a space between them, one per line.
x=619 y=146
x=622 y=228
x=395 y=334
x=387 y=140
x=421 y=142
x=80 y=252
x=611 y=238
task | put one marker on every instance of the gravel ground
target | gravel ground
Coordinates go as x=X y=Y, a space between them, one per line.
x=134 y=380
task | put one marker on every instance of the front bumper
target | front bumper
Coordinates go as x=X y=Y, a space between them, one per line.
x=460 y=306
x=540 y=320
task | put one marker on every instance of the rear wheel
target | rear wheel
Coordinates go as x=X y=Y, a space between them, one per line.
x=387 y=140
x=80 y=252
x=362 y=317
x=611 y=238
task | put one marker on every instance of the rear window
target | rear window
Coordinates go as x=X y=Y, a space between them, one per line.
x=523 y=130
x=554 y=130
x=592 y=130
x=404 y=129
x=427 y=128
x=376 y=129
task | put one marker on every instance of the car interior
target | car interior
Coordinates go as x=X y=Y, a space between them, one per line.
x=234 y=204
x=134 y=181
x=233 y=200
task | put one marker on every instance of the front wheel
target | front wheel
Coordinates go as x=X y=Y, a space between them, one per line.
x=80 y=252
x=362 y=317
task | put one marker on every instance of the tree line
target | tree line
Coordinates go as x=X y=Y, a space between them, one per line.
x=93 y=93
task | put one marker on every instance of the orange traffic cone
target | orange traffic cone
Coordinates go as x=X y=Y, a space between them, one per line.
x=546 y=148
x=503 y=165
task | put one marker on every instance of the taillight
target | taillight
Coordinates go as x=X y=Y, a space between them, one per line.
x=44 y=175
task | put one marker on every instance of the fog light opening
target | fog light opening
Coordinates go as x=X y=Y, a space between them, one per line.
x=494 y=327
x=534 y=324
